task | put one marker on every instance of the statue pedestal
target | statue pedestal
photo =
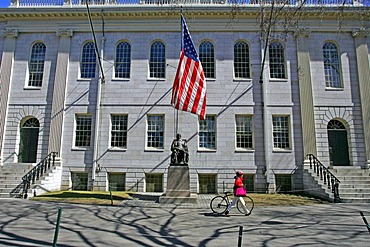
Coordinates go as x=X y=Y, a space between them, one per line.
x=178 y=186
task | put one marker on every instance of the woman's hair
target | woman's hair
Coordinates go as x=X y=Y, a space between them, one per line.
x=239 y=173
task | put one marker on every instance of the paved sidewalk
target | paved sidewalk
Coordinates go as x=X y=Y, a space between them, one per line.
x=144 y=223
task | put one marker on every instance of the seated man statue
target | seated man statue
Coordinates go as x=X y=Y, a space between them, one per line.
x=180 y=154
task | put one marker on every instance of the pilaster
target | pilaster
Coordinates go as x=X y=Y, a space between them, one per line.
x=59 y=93
x=306 y=92
x=6 y=69
x=363 y=68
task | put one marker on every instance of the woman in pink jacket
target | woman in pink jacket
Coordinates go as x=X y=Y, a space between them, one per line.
x=238 y=183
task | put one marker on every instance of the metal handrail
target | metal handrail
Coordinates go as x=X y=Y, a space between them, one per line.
x=37 y=172
x=328 y=178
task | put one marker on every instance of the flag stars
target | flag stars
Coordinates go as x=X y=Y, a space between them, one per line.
x=188 y=45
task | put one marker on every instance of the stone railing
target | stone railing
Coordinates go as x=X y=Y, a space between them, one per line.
x=70 y=3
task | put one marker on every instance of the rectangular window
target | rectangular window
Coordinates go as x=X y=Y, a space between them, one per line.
x=207 y=183
x=154 y=182
x=155 y=133
x=83 y=131
x=79 y=180
x=244 y=131
x=283 y=182
x=207 y=132
x=119 y=131
x=117 y=181
x=281 y=131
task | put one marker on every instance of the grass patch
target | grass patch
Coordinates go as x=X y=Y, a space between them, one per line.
x=103 y=198
x=284 y=200
x=84 y=197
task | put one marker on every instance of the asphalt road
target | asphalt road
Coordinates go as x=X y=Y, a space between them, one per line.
x=30 y=223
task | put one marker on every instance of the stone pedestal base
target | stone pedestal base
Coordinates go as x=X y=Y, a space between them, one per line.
x=178 y=186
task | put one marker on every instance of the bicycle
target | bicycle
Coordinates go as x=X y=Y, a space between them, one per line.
x=220 y=203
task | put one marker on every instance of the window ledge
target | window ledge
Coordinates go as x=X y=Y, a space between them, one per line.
x=32 y=88
x=242 y=80
x=80 y=148
x=278 y=80
x=117 y=149
x=210 y=79
x=153 y=150
x=206 y=150
x=85 y=79
x=156 y=79
x=277 y=150
x=334 y=89
x=241 y=150
x=120 y=79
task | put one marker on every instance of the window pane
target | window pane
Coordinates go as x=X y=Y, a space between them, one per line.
x=123 y=60
x=36 y=65
x=157 y=62
x=88 y=61
x=155 y=131
x=154 y=182
x=119 y=131
x=79 y=181
x=331 y=65
x=117 y=181
x=281 y=131
x=283 y=182
x=207 y=132
x=83 y=131
x=207 y=58
x=277 y=60
x=241 y=60
x=207 y=183
x=244 y=132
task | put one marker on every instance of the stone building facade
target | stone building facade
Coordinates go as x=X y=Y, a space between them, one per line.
x=112 y=126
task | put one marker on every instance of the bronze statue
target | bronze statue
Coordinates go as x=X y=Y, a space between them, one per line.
x=180 y=153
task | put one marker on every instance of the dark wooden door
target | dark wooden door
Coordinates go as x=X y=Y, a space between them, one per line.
x=338 y=147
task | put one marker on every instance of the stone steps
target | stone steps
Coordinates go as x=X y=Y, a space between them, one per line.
x=354 y=184
x=11 y=179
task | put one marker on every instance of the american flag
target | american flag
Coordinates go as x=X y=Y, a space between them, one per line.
x=189 y=86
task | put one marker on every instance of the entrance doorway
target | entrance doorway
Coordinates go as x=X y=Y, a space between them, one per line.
x=29 y=137
x=338 y=143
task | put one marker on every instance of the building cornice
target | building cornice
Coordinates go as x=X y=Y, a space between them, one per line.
x=155 y=11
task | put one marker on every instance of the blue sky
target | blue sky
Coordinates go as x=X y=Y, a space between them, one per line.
x=4 y=3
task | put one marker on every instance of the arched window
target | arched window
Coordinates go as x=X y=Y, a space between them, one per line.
x=123 y=60
x=335 y=124
x=157 y=63
x=277 y=60
x=36 y=65
x=241 y=60
x=207 y=58
x=88 y=61
x=331 y=65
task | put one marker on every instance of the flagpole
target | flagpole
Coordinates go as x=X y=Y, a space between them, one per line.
x=177 y=110
x=95 y=164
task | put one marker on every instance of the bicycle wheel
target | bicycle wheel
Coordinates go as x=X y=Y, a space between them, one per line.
x=249 y=204
x=219 y=204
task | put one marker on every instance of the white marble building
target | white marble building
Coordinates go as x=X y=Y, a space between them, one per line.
x=113 y=125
